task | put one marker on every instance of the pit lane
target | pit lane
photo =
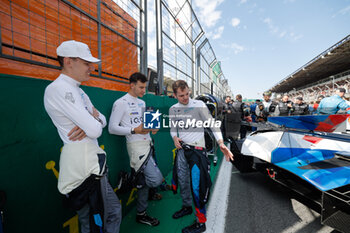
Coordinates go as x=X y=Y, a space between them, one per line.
x=258 y=204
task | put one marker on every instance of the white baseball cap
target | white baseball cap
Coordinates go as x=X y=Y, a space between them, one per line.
x=72 y=48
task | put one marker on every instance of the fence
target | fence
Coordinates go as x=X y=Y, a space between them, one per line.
x=182 y=50
x=30 y=32
x=209 y=70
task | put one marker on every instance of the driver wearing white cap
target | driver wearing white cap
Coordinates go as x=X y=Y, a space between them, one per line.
x=83 y=172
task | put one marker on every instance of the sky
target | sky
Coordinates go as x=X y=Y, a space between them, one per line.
x=261 y=42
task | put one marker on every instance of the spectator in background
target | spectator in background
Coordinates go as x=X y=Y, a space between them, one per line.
x=347 y=101
x=252 y=111
x=321 y=97
x=347 y=98
x=238 y=107
x=285 y=106
x=300 y=108
x=253 y=108
x=311 y=107
x=266 y=108
x=227 y=105
x=331 y=105
x=277 y=99
x=227 y=109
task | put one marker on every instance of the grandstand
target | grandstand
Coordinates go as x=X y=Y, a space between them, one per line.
x=320 y=76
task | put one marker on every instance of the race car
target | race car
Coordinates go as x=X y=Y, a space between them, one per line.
x=309 y=155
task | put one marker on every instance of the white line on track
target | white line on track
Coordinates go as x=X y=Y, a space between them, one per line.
x=217 y=207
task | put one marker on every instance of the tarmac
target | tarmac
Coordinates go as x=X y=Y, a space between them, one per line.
x=258 y=204
x=243 y=203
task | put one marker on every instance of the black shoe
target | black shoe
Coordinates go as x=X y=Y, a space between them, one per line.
x=194 y=228
x=145 y=219
x=185 y=210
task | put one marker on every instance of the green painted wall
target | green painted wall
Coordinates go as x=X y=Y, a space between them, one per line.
x=29 y=140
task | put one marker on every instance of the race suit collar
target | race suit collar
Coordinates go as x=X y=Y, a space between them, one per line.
x=69 y=80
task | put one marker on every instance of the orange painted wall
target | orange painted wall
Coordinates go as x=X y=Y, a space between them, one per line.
x=33 y=71
x=32 y=29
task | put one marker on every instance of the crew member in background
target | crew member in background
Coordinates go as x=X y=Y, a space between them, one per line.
x=266 y=108
x=227 y=105
x=83 y=171
x=331 y=105
x=238 y=108
x=311 y=107
x=317 y=103
x=300 y=108
x=191 y=166
x=227 y=109
x=253 y=107
x=127 y=120
x=285 y=106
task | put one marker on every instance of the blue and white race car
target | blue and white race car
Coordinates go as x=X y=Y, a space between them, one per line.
x=307 y=154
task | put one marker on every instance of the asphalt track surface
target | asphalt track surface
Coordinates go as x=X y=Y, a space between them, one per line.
x=257 y=204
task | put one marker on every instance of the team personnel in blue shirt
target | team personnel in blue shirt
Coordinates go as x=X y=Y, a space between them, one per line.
x=331 y=105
